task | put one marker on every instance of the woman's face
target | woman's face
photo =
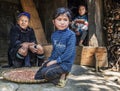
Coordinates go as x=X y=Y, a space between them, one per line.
x=61 y=22
x=23 y=22
x=82 y=10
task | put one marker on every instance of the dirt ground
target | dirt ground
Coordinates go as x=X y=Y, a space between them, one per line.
x=81 y=78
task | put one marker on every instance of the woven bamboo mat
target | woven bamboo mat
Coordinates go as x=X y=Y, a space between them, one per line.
x=22 y=75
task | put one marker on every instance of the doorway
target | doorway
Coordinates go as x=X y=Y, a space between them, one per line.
x=73 y=5
x=8 y=12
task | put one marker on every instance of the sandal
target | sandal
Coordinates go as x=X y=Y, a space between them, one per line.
x=61 y=83
x=81 y=45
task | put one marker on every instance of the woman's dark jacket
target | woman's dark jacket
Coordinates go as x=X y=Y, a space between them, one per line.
x=17 y=37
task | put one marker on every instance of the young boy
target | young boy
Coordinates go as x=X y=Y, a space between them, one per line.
x=23 y=45
x=80 y=25
x=59 y=64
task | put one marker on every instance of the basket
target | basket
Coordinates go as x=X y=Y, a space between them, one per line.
x=22 y=75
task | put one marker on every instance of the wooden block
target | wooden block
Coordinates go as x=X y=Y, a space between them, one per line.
x=101 y=56
x=47 y=50
x=87 y=56
x=78 y=54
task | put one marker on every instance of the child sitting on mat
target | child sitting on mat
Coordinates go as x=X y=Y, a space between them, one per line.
x=59 y=64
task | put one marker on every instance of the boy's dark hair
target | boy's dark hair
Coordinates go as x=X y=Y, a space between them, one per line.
x=62 y=10
x=82 y=5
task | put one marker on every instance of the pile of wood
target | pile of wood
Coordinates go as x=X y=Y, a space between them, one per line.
x=112 y=28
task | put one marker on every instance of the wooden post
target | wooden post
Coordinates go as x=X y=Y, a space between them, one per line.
x=35 y=23
x=95 y=21
x=91 y=18
x=99 y=21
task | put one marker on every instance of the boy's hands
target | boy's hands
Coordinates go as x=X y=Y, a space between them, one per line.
x=77 y=32
x=51 y=62
x=80 y=21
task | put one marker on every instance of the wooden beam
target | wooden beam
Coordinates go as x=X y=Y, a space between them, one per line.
x=98 y=21
x=35 y=22
x=91 y=18
x=95 y=21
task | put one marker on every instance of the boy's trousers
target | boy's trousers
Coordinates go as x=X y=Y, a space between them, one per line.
x=51 y=73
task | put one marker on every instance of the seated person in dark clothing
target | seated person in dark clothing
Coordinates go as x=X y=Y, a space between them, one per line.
x=23 y=45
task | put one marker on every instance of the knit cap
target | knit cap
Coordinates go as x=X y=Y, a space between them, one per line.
x=25 y=14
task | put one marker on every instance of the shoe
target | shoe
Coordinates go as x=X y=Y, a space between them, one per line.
x=81 y=45
x=114 y=68
x=28 y=66
x=6 y=66
x=61 y=83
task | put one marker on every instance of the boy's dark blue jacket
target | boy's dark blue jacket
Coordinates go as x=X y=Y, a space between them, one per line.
x=64 y=48
x=17 y=37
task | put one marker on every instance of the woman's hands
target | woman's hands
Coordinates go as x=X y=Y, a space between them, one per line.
x=27 y=44
x=31 y=46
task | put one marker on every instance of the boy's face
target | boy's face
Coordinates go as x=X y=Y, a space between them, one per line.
x=23 y=22
x=61 y=22
x=82 y=10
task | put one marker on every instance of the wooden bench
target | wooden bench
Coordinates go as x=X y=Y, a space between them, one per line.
x=87 y=55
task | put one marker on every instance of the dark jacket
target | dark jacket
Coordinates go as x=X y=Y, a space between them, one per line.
x=64 y=48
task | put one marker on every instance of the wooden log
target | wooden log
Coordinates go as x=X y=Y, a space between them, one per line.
x=93 y=41
x=91 y=20
x=101 y=56
x=78 y=55
x=35 y=23
x=47 y=50
x=87 y=56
